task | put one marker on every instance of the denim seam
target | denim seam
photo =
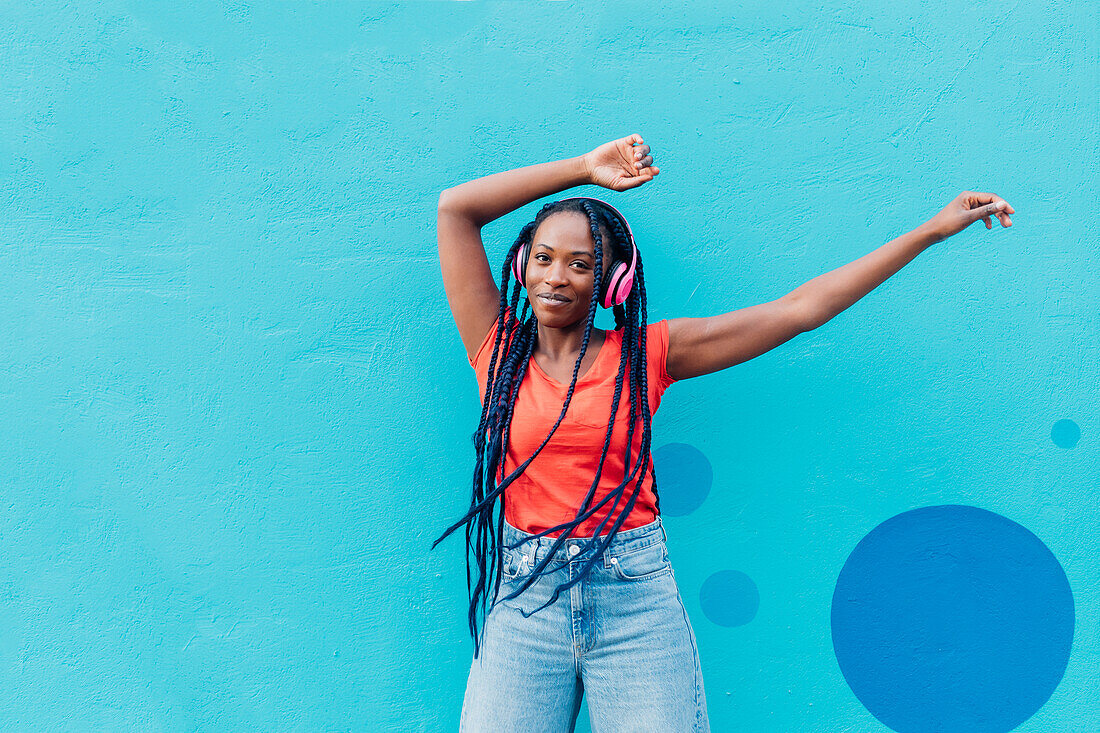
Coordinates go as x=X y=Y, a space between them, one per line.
x=574 y=627
x=695 y=655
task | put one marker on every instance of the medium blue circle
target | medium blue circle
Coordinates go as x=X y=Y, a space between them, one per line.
x=729 y=598
x=1065 y=433
x=952 y=618
x=684 y=477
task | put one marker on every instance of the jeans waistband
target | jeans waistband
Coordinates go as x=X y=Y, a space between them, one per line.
x=576 y=548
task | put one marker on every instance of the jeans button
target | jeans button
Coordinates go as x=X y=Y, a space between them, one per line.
x=573 y=550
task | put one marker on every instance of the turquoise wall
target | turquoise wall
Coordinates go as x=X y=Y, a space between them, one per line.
x=238 y=412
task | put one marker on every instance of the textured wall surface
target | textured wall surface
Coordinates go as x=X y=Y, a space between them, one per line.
x=236 y=410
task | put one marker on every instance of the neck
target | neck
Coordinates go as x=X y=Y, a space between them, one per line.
x=564 y=344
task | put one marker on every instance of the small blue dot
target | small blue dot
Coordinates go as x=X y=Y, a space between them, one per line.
x=729 y=598
x=952 y=618
x=1065 y=433
x=684 y=477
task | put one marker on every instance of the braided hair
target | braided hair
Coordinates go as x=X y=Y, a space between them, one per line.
x=484 y=521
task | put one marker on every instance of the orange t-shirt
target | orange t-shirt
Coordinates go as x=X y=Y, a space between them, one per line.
x=553 y=486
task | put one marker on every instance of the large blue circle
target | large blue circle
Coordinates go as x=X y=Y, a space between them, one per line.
x=684 y=477
x=952 y=618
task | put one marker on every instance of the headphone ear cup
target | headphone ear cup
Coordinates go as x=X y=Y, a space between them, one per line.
x=519 y=264
x=617 y=285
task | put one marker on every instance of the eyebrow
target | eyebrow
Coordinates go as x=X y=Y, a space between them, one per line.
x=576 y=252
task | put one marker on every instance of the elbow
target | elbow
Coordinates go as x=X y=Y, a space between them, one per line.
x=453 y=205
x=815 y=320
x=812 y=321
x=451 y=202
x=806 y=315
x=444 y=200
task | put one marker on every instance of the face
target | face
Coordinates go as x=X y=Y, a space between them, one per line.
x=560 y=272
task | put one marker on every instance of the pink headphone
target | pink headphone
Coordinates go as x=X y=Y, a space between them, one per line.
x=620 y=276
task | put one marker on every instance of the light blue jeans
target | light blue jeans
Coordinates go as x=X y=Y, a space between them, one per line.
x=621 y=636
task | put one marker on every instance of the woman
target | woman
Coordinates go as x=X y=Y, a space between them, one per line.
x=564 y=525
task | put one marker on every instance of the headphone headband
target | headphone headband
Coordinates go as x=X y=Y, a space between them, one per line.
x=618 y=213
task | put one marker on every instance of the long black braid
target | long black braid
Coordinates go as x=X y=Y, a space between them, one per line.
x=485 y=519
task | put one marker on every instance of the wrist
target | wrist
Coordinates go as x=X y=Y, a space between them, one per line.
x=930 y=233
x=583 y=169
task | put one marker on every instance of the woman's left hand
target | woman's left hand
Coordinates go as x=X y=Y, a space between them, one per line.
x=967 y=208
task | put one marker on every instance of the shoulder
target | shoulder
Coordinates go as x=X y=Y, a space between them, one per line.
x=658 y=330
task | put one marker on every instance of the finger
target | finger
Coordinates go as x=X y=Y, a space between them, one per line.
x=995 y=208
x=634 y=140
x=985 y=198
x=1000 y=213
x=644 y=162
x=634 y=182
x=641 y=151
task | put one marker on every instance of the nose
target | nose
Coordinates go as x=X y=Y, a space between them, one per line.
x=555 y=274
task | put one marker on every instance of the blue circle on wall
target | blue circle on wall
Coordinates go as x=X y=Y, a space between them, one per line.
x=1065 y=433
x=684 y=477
x=952 y=618
x=729 y=598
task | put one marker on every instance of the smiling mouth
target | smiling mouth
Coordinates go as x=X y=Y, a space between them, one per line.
x=553 y=298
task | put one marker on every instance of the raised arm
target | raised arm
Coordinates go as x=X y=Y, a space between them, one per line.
x=698 y=346
x=463 y=210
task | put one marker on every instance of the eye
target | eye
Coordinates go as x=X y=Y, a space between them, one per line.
x=584 y=265
x=541 y=258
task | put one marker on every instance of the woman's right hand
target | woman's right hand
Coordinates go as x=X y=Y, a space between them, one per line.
x=621 y=164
